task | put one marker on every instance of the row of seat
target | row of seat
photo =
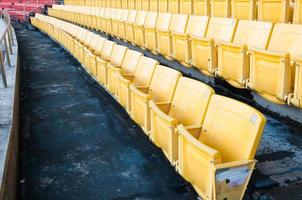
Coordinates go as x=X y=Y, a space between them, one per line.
x=261 y=56
x=199 y=132
x=265 y=10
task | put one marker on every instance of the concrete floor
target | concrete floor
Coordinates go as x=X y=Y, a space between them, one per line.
x=78 y=143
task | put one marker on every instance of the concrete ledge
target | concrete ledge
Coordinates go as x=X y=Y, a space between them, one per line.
x=9 y=121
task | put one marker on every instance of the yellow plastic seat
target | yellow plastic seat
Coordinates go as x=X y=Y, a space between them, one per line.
x=88 y=48
x=201 y=7
x=158 y=92
x=118 y=4
x=117 y=16
x=186 y=7
x=163 y=6
x=174 y=6
x=218 y=29
x=277 y=63
x=141 y=78
x=138 y=4
x=105 y=18
x=146 y=5
x=92 y=54
x=197 y=25
x=150 y=31
x=274 y=10
x=164 y=34
x=121 y=24
x=297 y=18
x=188 y=107
x=128 y=66
x=82 y=44
x=116 y=60
x=221 y=8
x=154 y=5
x=296 y=97
x=108 y=4
x=99 y=18
x=244 y=9
x=102 y=60
x=131 y=5
x=218 y=158
x=233 y=58
x=138 y=28
x=124 y=4
x=109 y=21
x=129 y=25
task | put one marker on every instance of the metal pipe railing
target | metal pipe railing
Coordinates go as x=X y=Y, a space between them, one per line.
x=6 y=38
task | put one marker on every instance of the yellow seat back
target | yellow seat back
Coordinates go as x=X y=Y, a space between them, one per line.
x=124 y=4
x=221 y=8
x=99 y=44
x=131 y=5
x=174 y=6
x=123 y=16
x=117 y=55
x=273 y=10
x=163 y=21
x=130 y=61
x=190 y=101
x=162 y=5
x=131 y=16
x=151 y=19
x=138 y=4
x=163 y=92
x=153 y=5
x=144 y=71
x=107 y=49
x=108 y=4
x=253 y=33
x=287 y=38
x=297 y=19
x=232 y=128
x=146 y=5
x=179 y=23
x=186 y=7
x=118 y=3
x=197 y=25
x=221 y=29
x=244 y=9
x=140 y=18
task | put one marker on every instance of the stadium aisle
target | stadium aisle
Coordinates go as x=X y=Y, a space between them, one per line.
x=77 y=142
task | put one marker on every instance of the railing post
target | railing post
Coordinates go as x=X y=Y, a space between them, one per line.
x=7 y=50
x=3 y=70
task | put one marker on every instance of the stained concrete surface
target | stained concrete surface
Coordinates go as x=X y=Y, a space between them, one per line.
x=79 y=143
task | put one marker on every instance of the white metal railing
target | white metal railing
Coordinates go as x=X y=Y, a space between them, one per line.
x=6 y=40
x=37 y=4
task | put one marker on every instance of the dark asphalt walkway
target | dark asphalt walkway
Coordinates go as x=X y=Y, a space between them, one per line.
x=77 y=142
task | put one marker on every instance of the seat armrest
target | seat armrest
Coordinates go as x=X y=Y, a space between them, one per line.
x=193 y=37
x=194 y=130
x=125 y=78
x=234 y=164
x=162 y=30
x=204 y=149
x=100 y=60
x=174 y=33
x=140 y=91
x=161 y=110
x=230 y=44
